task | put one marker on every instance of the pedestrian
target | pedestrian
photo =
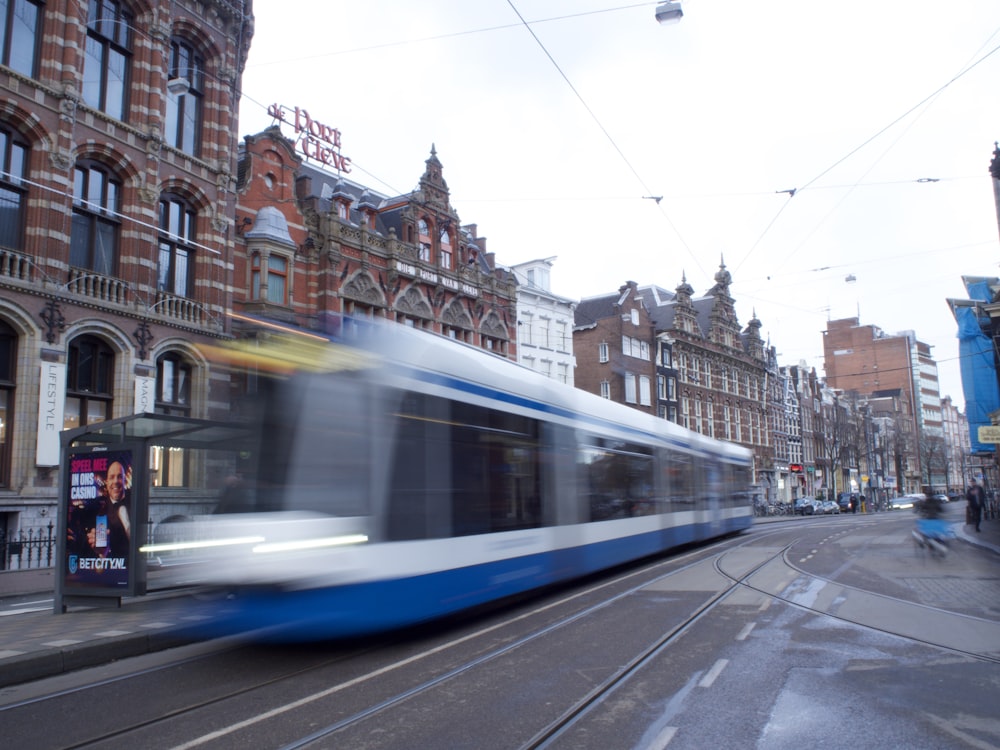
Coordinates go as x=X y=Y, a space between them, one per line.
x=976 y=499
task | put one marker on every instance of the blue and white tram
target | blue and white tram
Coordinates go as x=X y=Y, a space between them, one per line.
x=401 y=477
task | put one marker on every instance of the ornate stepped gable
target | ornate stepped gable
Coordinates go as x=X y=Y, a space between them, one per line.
x=685 y=315
x=433 y=185
x=754 y=342
x=724 y=327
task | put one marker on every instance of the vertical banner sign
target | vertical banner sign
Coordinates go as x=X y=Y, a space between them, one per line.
x=51 y=403
x=144 y=390
x=99 y=513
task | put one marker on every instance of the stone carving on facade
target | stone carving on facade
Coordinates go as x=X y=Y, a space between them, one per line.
x=149 y=194
x=439 y=296
x=68 y=103
x=363 y=288
x=455 y=316
x=154 y=143
x=61 y=159
x=220 y=223
x=414 y=303
x=493 y=326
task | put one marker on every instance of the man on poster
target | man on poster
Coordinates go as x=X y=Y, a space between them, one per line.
x=99 y=529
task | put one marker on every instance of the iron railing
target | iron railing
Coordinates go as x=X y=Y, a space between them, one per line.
x=28 y=548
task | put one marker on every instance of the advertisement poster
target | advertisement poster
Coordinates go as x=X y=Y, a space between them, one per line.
x=99 y=520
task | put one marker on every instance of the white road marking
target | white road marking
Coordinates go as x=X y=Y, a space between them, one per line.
x=713 y=673
x=663 y=738
x=746 y=631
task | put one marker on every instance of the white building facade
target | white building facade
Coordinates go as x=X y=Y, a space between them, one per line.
x=544 y=322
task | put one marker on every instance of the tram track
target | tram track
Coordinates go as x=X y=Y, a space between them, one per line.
x=364 y=695
x=129 y=730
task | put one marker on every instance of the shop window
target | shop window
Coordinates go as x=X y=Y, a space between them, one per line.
x=107 y=57
x=8 y=375
x=168 y=466
x=89 y=381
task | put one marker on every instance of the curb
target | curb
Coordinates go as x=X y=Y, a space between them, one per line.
x=38 y=665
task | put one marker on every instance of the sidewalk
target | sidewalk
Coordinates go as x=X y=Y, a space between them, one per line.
x=36 y=643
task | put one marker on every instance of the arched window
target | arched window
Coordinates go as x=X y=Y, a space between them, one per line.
x=13 y=196
x=89 y=382
x=107 y=59
x=183 y=126
x=168 y=466
x=175 y=266
x=96 y=203
x=20 y=28
x=8 y=375
x=173 y=385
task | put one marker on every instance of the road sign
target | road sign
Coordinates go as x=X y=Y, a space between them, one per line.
x=989 y=433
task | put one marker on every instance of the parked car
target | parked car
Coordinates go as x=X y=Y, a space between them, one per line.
x=830 y=507
x=941 y=498
x=806 y=506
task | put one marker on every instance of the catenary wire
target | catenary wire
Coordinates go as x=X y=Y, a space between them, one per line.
x=647 y=190
x=807 y=185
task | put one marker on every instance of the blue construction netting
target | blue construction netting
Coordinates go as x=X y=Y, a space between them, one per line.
x=979 y=374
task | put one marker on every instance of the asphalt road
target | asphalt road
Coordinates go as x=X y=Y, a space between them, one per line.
x=827 y=632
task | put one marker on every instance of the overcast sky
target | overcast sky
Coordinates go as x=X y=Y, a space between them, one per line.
x=556 y=119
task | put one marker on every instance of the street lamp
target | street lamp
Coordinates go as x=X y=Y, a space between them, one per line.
x=178 y=86
x=669 y=12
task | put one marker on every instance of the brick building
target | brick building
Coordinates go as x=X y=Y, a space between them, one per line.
x=117 y=168
x=616 y=354
x=866 y=360
x=685 y=358
x=312 y=245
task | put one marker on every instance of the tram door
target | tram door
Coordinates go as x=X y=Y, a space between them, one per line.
x=714 y=494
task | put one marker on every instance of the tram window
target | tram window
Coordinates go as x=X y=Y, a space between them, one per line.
x=329 y=462
x=682 y=480
x=618 y=479
x=417 y=460
x=496 y=475
x=459 y=469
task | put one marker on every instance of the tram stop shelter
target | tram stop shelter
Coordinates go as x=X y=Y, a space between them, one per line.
x=107 y=473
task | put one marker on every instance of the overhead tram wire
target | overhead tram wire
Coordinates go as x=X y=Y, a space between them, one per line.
x=452 y=35
x=926 y=104
x=855 y=150
x=647 y=190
